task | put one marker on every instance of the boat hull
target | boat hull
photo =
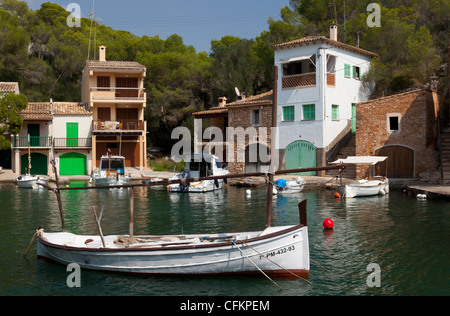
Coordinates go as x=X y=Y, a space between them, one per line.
x=365 y=188
x=30 y=182
x=111 y=181
x=197 y=187
x=280 y=252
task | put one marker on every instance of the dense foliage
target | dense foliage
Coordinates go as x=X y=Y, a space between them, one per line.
x=46 y=57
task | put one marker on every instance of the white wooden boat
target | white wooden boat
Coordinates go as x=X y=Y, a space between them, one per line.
x=365 y=187
x=281 y=252
x=111 y=172
x=283 y=187
x=28 y=181
x=199 y=165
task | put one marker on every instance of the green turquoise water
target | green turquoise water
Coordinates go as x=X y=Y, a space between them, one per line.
x=408 y=239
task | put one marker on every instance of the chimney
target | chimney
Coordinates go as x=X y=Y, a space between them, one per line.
x=102 y=53
x=434 y=83
x=222 y=102
x=334 y=31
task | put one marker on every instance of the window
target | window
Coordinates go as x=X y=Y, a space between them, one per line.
x=335 y=112
x=288 y=113
x=393 y=122
x=300 y=65
x=331 y=64
x=347 y=69
x=255 y=117
x=356 y=72
x=309 y=112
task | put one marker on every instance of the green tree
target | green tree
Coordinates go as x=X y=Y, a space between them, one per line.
x=10 y=120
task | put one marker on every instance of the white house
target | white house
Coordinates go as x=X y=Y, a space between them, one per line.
x=319 y=85
x=60 y=130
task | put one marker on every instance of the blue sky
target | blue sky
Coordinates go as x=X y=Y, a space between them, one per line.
x=196 y=21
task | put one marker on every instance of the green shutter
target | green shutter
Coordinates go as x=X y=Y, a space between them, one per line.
x=309 y=112
x=353 y=118
x=288 y=113
x=335 y=112
x=347 y=72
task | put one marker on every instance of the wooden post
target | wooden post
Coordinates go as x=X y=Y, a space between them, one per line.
x=273 y=140
x=131 y=222
x=58 y=196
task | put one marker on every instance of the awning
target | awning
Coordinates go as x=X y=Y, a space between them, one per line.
x=363 y=160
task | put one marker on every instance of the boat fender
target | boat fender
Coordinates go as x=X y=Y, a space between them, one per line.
x=216 y=182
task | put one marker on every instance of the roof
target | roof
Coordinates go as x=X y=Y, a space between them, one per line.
x=322 y=39
x=43 y=110
x=114 y=65
x=9 y=87
x=260 y=99
x=257 y=100
x=394 y=96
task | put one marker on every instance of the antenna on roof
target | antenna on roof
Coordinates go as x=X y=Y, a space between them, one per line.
x=238 y=93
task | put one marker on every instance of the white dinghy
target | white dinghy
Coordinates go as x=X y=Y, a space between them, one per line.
x=375 y=185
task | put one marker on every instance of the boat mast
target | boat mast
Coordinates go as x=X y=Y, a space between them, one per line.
x=29 y=155
x=273 y=137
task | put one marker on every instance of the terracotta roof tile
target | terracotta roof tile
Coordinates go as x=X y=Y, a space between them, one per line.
x=111 y=65
x=260 y=99
x=9 y=87
x=43 y=110
x=323 y=39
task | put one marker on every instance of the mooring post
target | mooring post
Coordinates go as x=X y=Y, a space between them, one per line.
x=131 y=222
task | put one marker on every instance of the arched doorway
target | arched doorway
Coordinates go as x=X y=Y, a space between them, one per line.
x=301 y=154
x=400 y=162
x=72 y=164
x=39 y=164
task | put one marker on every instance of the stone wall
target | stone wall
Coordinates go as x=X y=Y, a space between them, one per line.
x=417 y=113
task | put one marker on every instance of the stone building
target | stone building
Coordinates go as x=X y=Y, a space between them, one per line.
x=403 y=127
x=247 y=117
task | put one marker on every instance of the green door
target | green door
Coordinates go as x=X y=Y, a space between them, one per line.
x=35 y=133
x=301 y=154
x=353 y=118
x=72 y=164
x=72 y=134
x=39 y=165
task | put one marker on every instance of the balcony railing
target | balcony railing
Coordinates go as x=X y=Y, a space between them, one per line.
x=35 y=141
x=100 y=93
x=124 y=125
x=73 y=142
x=302 y=80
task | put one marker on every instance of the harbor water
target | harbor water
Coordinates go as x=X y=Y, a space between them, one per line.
x=406 y=240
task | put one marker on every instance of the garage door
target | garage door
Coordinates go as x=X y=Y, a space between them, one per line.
x=72 y=164
x=400 y=162
x=39 y=165
x=301 y=154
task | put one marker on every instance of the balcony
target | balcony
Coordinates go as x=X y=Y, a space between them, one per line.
x=116 y=126
x=301 y=80
x=72 y=143
x=118 y=94
x=35 y=142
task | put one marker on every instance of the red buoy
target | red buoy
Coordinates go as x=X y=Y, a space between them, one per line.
x=328 y=223
x=337 y=195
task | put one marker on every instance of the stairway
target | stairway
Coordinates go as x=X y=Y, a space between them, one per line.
x=348 y=150
x=445 y=157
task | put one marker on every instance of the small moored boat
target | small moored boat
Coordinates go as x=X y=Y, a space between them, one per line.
x=111 y=172
x=200 y=165
x=365 y=187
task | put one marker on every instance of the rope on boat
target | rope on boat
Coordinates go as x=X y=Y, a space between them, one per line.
x=297 y=276
x=234 y=242
x=38 y=231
